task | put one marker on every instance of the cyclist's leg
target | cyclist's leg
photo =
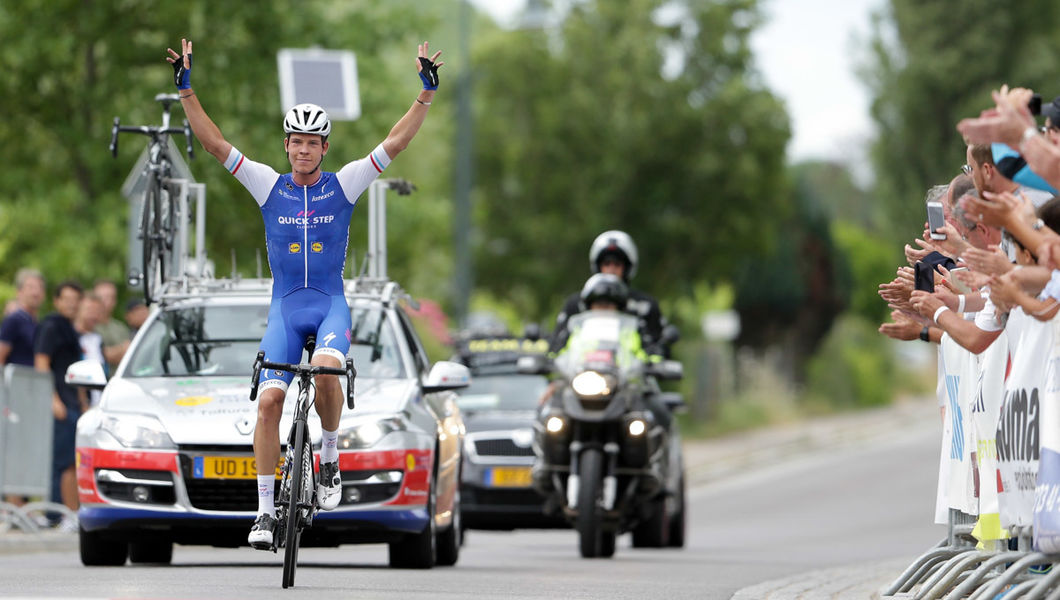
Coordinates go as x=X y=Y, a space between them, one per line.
x=277 y=344
x=333 y=343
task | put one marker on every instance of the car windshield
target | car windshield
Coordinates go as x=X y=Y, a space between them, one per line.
x=223 y=340
x=502 y=392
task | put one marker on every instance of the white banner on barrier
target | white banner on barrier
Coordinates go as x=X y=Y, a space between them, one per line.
x=985 y=408
x=961 y=381
x=1047 y=491
x=1017 y=429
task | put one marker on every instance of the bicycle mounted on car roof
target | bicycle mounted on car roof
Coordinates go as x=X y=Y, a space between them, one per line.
x=158 y=219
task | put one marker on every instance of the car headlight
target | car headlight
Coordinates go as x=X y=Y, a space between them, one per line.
x=364 y=435
x=590 y=384
x=137 y=431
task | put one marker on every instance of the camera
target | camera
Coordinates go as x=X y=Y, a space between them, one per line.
x=1035 y=104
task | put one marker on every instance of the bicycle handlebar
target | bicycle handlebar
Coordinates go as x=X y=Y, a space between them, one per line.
x=260 y=363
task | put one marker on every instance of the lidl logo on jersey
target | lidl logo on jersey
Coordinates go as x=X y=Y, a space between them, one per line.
x=317 y=247
x=294 y=248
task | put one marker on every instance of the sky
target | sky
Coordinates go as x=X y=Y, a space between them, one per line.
x=806 y=52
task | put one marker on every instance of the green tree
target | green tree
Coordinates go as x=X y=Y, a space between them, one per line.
x=63 y=211
x=580 y=129
x=931 y=63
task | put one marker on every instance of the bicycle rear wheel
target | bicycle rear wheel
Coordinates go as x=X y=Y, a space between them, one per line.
x=154 y=250
x=300 y=457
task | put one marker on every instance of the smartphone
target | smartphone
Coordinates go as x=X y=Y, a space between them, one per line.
x=957 y=283
x=936 y=220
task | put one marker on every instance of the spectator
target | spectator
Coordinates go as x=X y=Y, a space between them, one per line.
x=135 y=314
x=18 y=328
x=90 y=313
x=57 y=347
x=115 y=334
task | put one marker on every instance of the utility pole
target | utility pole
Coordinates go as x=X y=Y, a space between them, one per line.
x=463 y=176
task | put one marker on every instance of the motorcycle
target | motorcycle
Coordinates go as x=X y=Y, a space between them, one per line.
x=608 y=456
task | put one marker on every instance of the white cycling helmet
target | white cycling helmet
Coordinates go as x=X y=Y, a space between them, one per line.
x=617 y=242
x=307 y=118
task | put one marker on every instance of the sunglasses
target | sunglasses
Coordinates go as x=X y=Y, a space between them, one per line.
x=966 y=169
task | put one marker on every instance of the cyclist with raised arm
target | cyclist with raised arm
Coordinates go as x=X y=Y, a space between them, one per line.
x=307 y=219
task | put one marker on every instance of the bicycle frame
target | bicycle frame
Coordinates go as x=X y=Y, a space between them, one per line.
x=296 y=502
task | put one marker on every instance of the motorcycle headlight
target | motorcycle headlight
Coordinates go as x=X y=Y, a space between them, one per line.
x=590 y=384
x=364 y=435
x=137 y=431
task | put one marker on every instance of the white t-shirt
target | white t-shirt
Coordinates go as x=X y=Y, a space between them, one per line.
x=92 y=349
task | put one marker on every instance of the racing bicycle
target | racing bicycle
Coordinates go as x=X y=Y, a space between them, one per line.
x=296 y=496
x=158 y=219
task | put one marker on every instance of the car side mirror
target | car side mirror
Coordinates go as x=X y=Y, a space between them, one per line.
x=86 y=374
x=446 y=375
x=673 y=401
x=667 y=370
x=534 y=364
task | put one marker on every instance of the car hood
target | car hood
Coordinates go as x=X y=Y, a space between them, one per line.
x=218 y=410
x=507 y=420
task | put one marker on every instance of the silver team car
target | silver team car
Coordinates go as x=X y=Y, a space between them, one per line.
x=167 y=455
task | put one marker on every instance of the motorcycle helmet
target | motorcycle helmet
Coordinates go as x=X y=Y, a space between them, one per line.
x=307 y=118
x=604 y=286
x=618 y=243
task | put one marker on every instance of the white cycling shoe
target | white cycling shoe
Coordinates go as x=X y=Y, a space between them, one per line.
x=261 y=533
x=329 y=490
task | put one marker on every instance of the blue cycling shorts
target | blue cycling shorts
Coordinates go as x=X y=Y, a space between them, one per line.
x=299 y=314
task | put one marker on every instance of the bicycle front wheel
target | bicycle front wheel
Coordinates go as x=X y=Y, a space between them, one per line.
x=299 y=456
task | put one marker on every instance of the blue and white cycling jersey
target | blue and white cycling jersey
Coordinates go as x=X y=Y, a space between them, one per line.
x=307 y=228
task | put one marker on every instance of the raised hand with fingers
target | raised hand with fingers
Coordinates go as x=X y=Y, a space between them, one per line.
x=988 y=262
x=427 y=67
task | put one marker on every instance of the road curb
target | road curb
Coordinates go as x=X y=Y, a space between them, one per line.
x=20 y=542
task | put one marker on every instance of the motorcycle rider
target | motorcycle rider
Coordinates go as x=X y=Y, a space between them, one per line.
x=614 y=252
x=606 y=291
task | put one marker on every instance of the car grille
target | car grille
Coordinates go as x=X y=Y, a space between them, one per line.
x=501 y=447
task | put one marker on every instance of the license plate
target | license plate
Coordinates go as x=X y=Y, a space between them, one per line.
x=227 y=467
x=508 y=477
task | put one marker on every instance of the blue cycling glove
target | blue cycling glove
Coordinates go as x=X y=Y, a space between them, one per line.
x=429 y=74
x=182 y=76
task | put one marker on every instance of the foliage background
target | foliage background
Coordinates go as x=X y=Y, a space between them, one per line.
x=645 y=115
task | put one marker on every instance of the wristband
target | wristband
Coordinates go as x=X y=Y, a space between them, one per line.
x=938 y=312
x=960 y=303
x=422 y=102
x=1028 y=133
x=925 y=333
x=182 y=76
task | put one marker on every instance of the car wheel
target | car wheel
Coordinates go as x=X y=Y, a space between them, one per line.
x=159 y=553
x=418 y=551
x=96 y=551
x=677 y=523
x=654 y=531
x=450 y=540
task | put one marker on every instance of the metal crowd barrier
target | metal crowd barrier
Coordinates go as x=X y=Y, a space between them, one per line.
x=26 y=424
x=954 y=569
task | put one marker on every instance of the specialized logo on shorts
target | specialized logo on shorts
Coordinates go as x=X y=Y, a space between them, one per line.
x=317 y=246
x=294 y=248
x=327 y=338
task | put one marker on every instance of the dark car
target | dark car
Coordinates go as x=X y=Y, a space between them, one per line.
x=499 y=409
